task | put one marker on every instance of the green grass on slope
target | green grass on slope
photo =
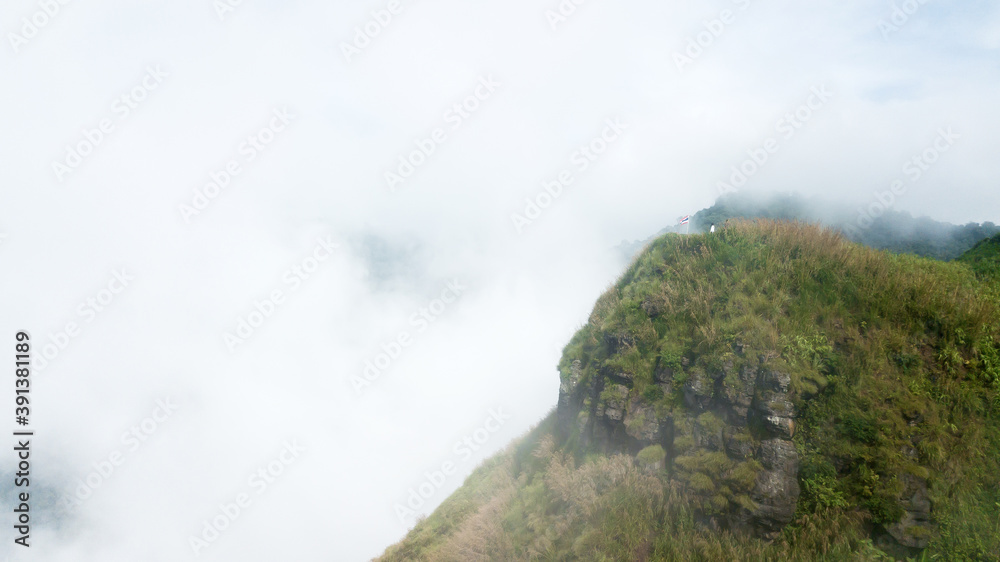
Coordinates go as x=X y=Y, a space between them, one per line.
x=984 y=258
x=895 y=368
x=893 y=230
x=548 y=507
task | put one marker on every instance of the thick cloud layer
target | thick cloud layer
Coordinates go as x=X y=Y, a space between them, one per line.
x=320 y=259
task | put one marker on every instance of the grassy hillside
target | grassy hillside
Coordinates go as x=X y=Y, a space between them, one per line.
x=875 y=375
x=984 y=258
x=887 y=229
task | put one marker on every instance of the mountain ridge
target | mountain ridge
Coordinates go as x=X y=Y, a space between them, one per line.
x=887 y=229
x=768 y=392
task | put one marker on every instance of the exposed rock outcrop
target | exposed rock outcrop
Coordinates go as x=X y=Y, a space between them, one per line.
x=776 y=491
x=731 y=442
x=915 y=528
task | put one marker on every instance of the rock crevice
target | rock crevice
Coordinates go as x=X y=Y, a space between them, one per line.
x=745 y=415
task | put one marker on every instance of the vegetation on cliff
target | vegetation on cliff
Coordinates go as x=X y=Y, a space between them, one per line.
x=769 y=392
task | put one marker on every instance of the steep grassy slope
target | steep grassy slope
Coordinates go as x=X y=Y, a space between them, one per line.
x=984 y=258
x=770 y=392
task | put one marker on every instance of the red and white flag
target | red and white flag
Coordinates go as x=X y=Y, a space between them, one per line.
x=684 y=220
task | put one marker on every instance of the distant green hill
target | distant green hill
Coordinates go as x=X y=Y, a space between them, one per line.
x=769 y=392
x=889 y=230
x=984 y=257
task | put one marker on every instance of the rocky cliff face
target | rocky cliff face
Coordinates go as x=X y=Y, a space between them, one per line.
x=730 y=439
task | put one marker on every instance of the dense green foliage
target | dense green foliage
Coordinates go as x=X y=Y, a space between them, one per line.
x=895 y=369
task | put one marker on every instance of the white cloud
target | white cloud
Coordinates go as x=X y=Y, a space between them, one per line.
x=499 y=344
